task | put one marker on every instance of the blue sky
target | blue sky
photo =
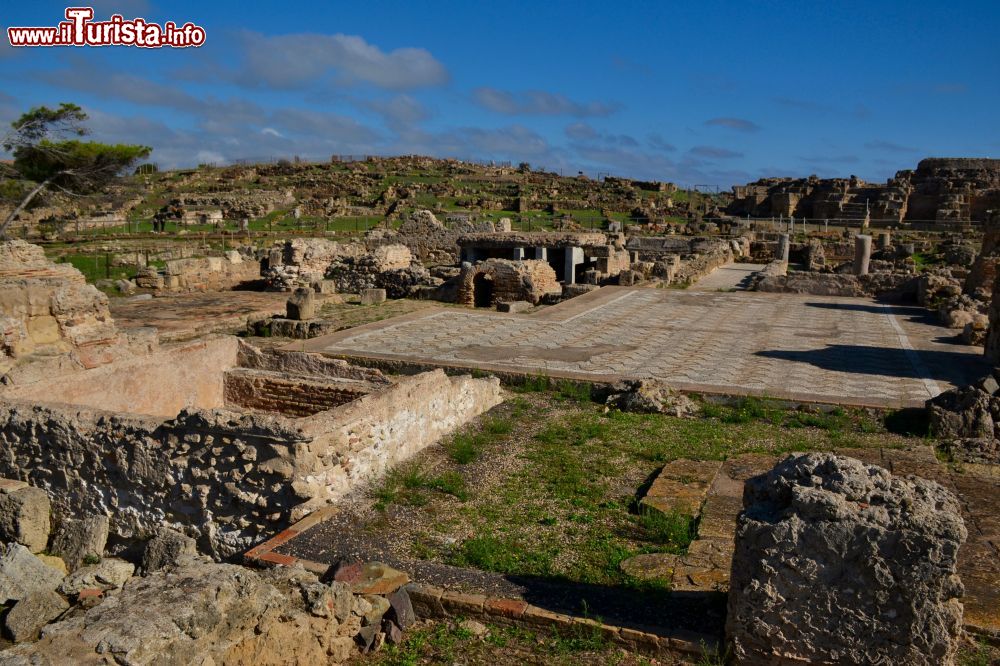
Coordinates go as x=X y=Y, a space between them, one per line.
x=706 y=93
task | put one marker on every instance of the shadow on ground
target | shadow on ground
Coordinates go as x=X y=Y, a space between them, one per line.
x=946 y=366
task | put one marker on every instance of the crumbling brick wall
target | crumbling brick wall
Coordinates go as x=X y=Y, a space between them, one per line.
x=511 y=281
x=290 y=395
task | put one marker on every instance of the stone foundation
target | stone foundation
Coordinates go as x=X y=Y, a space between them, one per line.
x=263 y=438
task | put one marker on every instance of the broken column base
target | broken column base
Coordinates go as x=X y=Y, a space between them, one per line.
x=280 y=327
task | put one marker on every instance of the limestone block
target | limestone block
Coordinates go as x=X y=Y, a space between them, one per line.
x=110 y=573
x=78 y=540
x=325 y=286
x=372 y=296
x=302 y=305
x=513 y=306
x=24 y=515
x=837 y=561
x=21 y=573
x=33 y=612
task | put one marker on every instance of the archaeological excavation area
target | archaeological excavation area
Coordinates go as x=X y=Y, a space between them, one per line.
x=746 y=428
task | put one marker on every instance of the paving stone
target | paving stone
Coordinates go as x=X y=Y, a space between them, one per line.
x=650 y=566
x=681 y=486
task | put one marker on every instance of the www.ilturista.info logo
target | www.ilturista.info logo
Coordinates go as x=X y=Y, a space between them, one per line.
x=80 y=30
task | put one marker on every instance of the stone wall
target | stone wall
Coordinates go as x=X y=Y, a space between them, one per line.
x=891 y=286
x=210 y=273
x=979 y=282
x=511 y=281
x=361 y=440
x=709 y=256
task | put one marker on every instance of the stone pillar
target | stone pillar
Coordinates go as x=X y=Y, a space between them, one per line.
x=884 y=240
x=784 y=243
x=574 y=257
x=836 y=561
x=518 y=254
x=541 y=254
x=862 y=253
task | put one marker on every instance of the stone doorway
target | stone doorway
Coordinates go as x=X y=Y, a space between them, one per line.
x=482 y=290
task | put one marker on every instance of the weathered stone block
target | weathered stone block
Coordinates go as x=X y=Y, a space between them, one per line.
x=840 y=562
x=78 y=540
x=165 y=548
x=21 y=573
x=514 y=306
x=24 y=515
x=33 y=612
x=302 y=305
x=372 y=296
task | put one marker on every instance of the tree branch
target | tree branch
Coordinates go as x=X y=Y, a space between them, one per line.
x=21 y=206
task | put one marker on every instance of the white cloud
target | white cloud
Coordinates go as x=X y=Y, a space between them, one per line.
x=538 y=103
x=296 y=60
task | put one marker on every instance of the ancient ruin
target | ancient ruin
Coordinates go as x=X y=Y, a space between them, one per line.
x=298 y=406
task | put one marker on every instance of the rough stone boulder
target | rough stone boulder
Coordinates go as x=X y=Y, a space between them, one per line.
x=840 y=562
x=967 y=420
x=33 y=612
x=108 y=574
x=165 y=548
x=197 y=613
x=21 y=574
x=650 y=396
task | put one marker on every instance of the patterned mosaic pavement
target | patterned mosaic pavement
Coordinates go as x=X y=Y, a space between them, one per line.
x=826 y=349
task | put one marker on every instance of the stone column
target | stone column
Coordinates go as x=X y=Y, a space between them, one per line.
x=784 y=243
x=541 y=254
x=574 y=257
x=862 y=253
x=884 y=240
x=518 y=254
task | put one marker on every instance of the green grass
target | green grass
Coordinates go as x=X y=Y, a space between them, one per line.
x=467 y=447
x=410 y=486
x=452 y=642
x=979 y=654
x=564 y=505
x=674 y=531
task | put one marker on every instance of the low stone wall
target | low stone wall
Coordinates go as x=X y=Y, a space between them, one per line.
x=891 y=286
x=360 y=440
x=817 y=284
x=698 y=266
x=210 y=273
